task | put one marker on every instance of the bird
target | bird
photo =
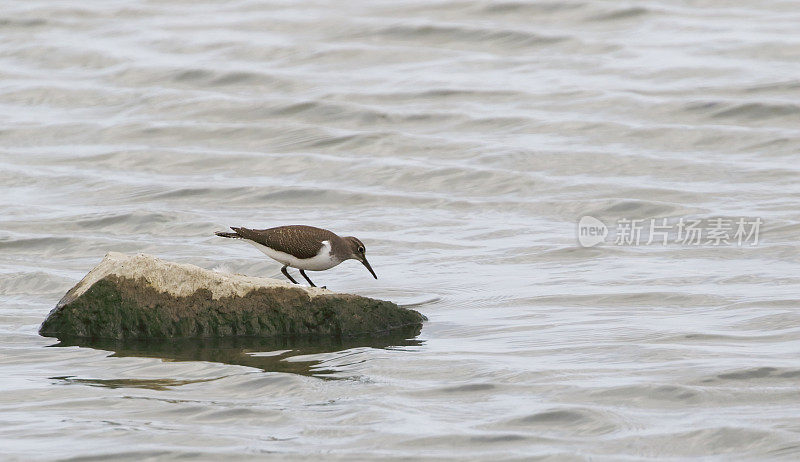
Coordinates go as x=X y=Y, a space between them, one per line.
x=303 y=247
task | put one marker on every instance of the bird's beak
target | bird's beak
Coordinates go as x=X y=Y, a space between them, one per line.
x=366 y=263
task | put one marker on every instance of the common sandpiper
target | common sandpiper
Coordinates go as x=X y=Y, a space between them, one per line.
x=303 y=247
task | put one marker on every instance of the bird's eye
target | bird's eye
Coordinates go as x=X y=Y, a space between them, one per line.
x=361 y=249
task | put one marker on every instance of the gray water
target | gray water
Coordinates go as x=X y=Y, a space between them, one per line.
x=461 y=141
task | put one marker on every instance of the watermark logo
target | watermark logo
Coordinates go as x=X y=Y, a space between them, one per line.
x=715 y=232
x=591 y=231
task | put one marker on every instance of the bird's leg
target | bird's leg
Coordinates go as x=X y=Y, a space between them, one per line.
x=286 y=273
x=307 y=279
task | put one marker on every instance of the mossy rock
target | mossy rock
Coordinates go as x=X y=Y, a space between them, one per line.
x=140 y=297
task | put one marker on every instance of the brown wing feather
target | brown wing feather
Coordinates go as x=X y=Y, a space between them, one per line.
x=300 y=241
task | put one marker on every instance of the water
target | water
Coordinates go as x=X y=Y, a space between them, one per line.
x=461 y=141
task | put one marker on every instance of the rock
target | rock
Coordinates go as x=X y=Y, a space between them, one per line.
x=139 y=297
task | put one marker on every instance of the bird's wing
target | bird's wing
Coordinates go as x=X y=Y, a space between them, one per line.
x=301 y=242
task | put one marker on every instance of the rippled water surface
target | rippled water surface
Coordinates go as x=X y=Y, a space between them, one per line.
x=461 y=141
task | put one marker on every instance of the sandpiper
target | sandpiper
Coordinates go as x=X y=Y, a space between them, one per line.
x=303 y=247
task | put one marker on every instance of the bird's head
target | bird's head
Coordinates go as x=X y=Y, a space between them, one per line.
x=358 y=252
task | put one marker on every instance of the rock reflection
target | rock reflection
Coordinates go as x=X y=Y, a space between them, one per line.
x=150 y=384
x=267 y=354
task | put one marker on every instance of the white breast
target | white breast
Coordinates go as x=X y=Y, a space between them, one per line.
x=321 y=261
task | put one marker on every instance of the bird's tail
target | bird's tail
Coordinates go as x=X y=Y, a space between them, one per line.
x=231 y=235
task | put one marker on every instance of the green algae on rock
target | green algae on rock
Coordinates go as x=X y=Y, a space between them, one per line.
x=139 y=297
